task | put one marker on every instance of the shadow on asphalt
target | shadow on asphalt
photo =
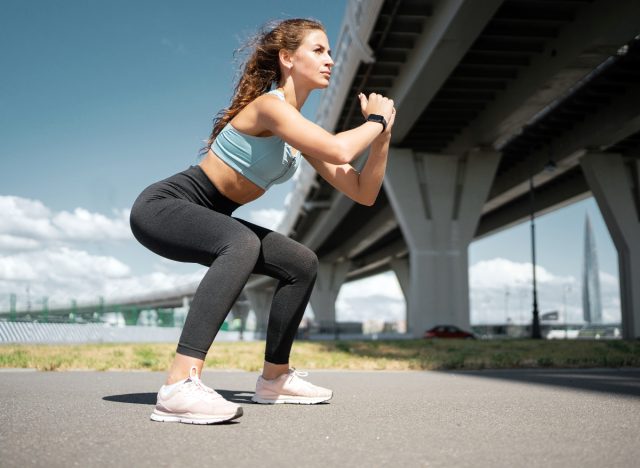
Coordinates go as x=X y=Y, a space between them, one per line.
x=622 y=381
x=237 y=396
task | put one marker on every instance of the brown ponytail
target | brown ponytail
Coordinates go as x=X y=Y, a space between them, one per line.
x=262 y=67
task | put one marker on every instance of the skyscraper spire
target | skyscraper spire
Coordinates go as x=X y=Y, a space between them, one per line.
x=591 y=304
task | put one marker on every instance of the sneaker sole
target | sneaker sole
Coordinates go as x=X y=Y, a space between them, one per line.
x=168 y=417
x=290 y=399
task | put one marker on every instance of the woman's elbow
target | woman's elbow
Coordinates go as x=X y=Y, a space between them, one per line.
x=338 y=153
x=366 y=201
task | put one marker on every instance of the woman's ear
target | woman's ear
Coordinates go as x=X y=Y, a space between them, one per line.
x=285 y=58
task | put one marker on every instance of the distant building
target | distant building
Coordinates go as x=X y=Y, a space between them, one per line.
x=591 y=303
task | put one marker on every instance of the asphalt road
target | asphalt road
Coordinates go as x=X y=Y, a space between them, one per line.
x=545 y=418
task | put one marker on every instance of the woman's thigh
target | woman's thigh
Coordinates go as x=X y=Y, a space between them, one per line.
x=280 y=256
x=187 y=232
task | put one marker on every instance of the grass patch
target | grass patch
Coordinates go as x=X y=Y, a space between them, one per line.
x=356 y=355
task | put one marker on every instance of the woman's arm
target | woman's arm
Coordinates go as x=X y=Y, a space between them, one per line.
x=370 y=179
x=362 y=187
x=288 y=123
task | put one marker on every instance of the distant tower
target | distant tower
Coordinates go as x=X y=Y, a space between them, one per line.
x=591 y=304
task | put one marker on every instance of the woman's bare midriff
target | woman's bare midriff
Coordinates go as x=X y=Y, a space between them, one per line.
x=231 y=183
x=228 y=181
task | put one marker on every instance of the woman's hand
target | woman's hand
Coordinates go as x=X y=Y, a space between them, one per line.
x=387 y=131
x=378 y=104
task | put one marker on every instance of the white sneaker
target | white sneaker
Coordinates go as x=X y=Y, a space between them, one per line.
x=192 y=402
x=290 y=388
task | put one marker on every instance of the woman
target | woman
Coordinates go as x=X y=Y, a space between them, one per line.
x=187 y=217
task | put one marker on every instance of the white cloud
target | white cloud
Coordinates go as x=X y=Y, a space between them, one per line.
x=59 y=265
x=84 y=225
x=500 y=272
x=11 y=243
x=502 y=289
x=152 y=283
x=26 y=218
x=28 y=224
x=269 y=217
x=63 y=274
x=378 y=297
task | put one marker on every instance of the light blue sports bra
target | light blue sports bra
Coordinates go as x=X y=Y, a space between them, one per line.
x=263 y=160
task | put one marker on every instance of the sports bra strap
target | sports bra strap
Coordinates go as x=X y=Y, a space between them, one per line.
x=278 y=93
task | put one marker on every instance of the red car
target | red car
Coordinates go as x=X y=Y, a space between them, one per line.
x=447 y=331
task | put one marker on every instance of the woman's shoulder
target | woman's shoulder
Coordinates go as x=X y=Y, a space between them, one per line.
x=268 y=98
x=276 y=92
x=267 y=106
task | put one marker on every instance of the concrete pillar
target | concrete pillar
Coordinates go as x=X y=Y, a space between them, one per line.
x=184 y=310
x=331 y=276
x=240 y=311
x=400 y=266
x=260 y=301
x=615 y=186
x=437 y=200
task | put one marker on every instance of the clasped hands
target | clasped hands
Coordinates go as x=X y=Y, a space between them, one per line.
x=378 y=104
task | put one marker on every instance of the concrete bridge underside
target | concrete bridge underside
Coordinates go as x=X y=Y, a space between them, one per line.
x=489 y=95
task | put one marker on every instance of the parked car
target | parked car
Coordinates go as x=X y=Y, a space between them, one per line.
x=447 y=331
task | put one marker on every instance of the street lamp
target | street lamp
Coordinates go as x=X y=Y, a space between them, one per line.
x=549 y=166
x=535 y=326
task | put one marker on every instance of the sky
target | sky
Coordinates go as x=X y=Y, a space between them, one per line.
x=100 y=99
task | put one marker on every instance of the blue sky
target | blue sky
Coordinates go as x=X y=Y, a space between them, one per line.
x=100 y=99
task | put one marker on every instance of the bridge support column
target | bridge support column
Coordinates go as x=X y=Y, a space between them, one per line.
x=400 y=266
x=240 y=311
x=260 y=301
x=438 y=201
x=331 y=276
x=614 y=183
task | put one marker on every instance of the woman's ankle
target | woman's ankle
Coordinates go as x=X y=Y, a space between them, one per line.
x=181 y=368
x=272 y=371
x=174 y=379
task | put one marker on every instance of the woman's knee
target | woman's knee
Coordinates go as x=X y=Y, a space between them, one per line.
x=306 y=263
x=244 y=243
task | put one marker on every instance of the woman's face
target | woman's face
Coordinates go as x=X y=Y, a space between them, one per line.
x=311 y=62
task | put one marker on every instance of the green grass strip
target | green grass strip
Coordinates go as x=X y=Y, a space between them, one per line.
x=356 y=355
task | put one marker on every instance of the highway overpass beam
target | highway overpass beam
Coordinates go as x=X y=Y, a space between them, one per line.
x=260 y=301
x=331 y=276
x=438 y=201
x=614 y=184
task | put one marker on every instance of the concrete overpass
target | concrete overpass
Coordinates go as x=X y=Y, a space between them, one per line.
x=492 y=96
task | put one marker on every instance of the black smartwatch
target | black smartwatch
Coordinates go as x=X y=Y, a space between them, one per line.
x=378 y=118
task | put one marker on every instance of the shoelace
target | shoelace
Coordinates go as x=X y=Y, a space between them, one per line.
x=293 y=373
x=298 y=373
x=198 y=384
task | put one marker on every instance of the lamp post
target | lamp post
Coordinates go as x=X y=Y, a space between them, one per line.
x=535 y=326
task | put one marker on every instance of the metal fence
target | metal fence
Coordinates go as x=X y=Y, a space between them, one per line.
x=67 y=333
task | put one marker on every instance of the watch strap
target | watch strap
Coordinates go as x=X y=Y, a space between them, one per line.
x=378 y=118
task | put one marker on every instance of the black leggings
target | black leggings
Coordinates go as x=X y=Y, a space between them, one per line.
x=186 y=218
